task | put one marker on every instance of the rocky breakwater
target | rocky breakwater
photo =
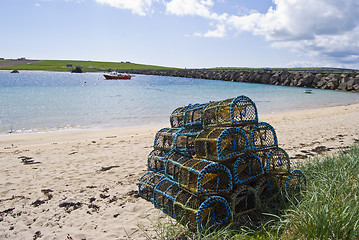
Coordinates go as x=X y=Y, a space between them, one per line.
x=346 y=81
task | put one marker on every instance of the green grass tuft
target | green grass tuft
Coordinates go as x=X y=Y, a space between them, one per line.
x=330 y=209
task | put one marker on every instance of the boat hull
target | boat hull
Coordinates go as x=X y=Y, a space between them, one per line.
x=114 y=77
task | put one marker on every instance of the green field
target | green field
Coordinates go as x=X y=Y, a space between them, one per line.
x=87 y=66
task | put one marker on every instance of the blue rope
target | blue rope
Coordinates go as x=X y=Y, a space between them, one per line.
x=249 y=169
x=280 y=163
x=213 y=216
x=245 y=112
x=265 y=135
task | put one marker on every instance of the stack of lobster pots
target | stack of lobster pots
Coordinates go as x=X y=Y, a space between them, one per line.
x=216 y=164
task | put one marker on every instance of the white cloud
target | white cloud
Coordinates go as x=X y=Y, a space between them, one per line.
x=78 y=1
x=301 y=19
x=140 y=7
x=318 y=27
x=190 y=7
x=219 y=32
x=201 y=8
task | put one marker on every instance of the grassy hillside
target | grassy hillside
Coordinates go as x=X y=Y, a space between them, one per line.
x=87 y=66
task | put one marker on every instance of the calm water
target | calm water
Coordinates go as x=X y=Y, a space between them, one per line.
x=44 y=101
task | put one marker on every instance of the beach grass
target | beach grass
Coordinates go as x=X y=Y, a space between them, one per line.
x=328 y=210
x=86 y=66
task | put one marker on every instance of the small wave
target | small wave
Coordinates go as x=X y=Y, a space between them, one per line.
x=37 y=130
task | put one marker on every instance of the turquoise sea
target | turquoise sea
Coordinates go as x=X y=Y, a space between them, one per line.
x=45 y=101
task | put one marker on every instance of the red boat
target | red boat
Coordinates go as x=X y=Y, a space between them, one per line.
x=118 y=76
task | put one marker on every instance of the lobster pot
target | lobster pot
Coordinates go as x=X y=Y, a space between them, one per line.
x=218 y=144
x=164 y=195
x=184 y=139
x=205 y=177
x=156 y=160
x=230 y=112
x=243 y=201
x=190 y=210
x=177 y=117
x=164 y=138
x=296 y=184
x=278 y=162
x=268 y=191
x=201 y=214
x=247 y=168
x=194 y=115
x=147 y=184
x=263 y=137
x=187 y=116
x=263 y=155
x=174 y=163
x=185 y=209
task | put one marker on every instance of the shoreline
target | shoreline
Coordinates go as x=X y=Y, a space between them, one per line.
x=277 y=120
x=82 y=182
x=159 y=123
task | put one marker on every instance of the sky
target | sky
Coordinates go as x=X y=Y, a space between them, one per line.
x=184 y=33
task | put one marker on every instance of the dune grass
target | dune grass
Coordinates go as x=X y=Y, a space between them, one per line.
x=329 y=209
x=87 y=66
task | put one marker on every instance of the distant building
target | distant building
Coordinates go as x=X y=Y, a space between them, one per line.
x=22 y=58
x=2 y=58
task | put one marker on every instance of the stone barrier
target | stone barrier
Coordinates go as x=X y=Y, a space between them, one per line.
x=345 y=81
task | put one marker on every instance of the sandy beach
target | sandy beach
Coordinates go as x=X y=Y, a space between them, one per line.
x=81 y=184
